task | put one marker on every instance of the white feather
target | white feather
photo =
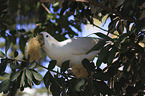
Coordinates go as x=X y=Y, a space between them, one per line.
x=74 y=49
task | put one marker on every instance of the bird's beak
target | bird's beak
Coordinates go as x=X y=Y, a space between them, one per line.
x=41 y=39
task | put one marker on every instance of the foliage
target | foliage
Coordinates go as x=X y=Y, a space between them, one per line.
x=122 y=47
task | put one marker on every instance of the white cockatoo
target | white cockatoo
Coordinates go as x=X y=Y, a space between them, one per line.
x=73 y=49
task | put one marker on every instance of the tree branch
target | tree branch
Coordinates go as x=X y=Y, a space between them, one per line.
x=45 y=8
x=36 y=64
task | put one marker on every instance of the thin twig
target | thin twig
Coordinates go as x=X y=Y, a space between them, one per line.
x=45 y=8
x=65 y=75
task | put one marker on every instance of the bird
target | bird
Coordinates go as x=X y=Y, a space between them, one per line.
x=73 y=49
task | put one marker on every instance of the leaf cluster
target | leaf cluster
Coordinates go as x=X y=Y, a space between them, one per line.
x=121 y=48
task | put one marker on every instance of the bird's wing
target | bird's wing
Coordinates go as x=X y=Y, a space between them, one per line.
x=79 y=45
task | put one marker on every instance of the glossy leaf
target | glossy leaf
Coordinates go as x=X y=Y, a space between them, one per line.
x=86 y=64
x=98 y=46
x=65 y=66
x=16 y=53
x=32 y=65
x=22 y=78
x=46 y=80
x=28 y=74
x=106 y=37
x=52 y=64
x=22 y=44
x=37 y=75
x=3 y=65
x=112 y=54
x=7 y=44
x=2 y=54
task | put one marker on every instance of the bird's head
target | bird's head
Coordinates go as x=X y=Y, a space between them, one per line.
x=46 y=39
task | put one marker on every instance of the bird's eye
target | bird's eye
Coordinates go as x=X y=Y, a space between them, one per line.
x=46 y=35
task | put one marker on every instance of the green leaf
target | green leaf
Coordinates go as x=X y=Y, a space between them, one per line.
x=106 y=37
x=112 y=54
x=16 y=53
x=3 y=65
x=52 y=64
x=37 y=75
x=7 y=44
x=65 y=66
x=79 y=85
x=13 y=67
x=22 y=44
x=4 y=86
x=15 y=76
x=2 y=54
x=32 y=65
x=28 y=74
x=22 y=78
x=98 y=46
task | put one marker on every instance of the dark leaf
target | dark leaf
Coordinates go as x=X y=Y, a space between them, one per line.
x=47 y=79
x=102 y=76
x=102 y=87
x=123 y=36
x=16 y=53
x=22 y=44
x=86 y=64
x=104 y=52
x=52 y=64
x=120 y=27
x=65 y=6
x=7 y=44
x=98 y=63
x=36 y=81
x=112 y=54
x=3 y=65
x=55 y=90
x=105 y=37
x=4 y=86
x=15 y=75
x=98 y=46
x=2 y=54
x=65 y=66
x=119 y=2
